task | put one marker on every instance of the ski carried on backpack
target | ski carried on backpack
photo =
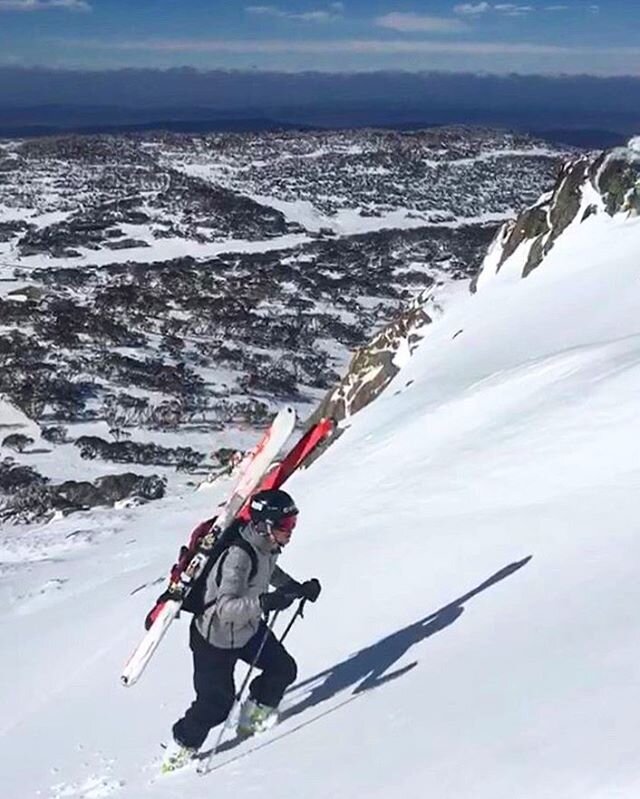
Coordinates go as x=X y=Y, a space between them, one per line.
x=252 y=471
x=211 y=537
x=294 y=459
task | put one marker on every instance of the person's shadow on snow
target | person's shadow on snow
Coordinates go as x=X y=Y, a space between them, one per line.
x=367 y=668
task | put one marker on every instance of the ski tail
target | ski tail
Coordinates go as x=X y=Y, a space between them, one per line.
x=252 y=472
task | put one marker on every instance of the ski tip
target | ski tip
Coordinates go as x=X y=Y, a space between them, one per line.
x=287 y=416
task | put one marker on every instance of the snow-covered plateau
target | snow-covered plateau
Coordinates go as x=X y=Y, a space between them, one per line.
x=476 y=530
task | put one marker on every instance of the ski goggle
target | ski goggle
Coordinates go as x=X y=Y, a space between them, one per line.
x=286 y=523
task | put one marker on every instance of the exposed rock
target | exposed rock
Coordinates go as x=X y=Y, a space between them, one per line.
x=617 y=177
x=544 y=223
x=373 y=367
x=613 y=176
x=566 y=203
x=529 y=225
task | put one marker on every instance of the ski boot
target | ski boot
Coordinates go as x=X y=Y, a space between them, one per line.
x=177 y=756
x=255 y=718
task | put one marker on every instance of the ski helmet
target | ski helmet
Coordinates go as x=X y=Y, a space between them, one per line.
x=272 y=507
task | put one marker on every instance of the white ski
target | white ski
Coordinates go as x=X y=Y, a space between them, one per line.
x=251 y=473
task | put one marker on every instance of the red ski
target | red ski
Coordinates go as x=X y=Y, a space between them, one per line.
x=252 y=470
x=208 y=540
x=295 y=458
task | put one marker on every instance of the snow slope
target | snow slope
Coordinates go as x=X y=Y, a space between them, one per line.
x=477 y=532
x=13 y=420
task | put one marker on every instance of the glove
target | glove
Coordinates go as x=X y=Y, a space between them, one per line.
x=310 y=589
x=276 y=600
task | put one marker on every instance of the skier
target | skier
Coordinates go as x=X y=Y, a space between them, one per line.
x=231 y=628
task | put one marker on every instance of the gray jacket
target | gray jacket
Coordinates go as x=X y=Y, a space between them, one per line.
x=233 y=611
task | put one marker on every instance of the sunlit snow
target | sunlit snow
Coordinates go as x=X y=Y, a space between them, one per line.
x=477 y=533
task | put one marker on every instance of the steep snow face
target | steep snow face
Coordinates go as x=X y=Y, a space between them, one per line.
x=477 y=533
x=586 y=187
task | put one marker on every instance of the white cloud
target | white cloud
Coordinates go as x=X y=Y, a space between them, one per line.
x=475 y=9
x=471 y=8
x=511 y=9
x=267 y=10
x=556 y=8
x=333 y=12
x=382 y=46
x=44 y=5
x=312 y=16
x=409 y=23
x=336 y=55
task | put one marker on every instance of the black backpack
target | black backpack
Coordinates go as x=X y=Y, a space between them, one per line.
x=194 y=601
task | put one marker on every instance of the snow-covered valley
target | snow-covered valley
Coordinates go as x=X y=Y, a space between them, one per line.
x=161 y=296
x=476 y=530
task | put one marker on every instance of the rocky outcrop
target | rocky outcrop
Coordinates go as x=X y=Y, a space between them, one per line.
x=609 y=183
x=617 y=179
x=374 y=366
x=542 y=224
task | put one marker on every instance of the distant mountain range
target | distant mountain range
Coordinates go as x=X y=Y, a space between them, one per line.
x=583 y=110
x=47 y=120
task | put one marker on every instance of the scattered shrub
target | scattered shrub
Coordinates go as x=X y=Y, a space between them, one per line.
x=17 y=441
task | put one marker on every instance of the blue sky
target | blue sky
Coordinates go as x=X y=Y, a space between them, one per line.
x=555 y=36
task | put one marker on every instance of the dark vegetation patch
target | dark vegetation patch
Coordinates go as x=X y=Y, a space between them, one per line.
x=27 y=496
x=186 y=344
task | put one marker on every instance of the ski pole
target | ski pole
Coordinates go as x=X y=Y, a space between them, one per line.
x=299 y=613
x=245 y=682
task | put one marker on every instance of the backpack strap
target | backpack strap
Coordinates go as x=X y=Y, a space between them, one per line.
x=246 y=547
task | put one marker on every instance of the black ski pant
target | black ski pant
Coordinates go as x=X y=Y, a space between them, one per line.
x=214 y=685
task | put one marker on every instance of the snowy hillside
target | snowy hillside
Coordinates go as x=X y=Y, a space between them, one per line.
x=477 y=534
